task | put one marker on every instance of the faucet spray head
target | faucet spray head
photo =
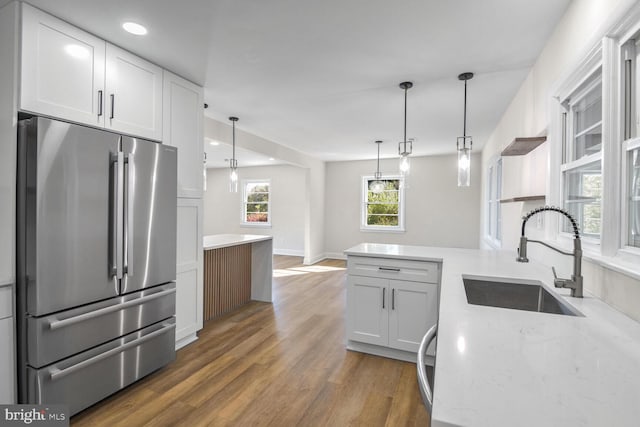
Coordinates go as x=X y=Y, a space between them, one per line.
x=522 y=250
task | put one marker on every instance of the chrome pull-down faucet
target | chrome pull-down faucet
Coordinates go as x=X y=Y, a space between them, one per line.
x=575 y=283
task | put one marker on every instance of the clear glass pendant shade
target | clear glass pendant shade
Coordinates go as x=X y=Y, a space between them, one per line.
x=377 y=186
x=464 y=167
x=405 y=165
x=233 y=180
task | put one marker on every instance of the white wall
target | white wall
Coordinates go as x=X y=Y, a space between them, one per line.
x=438 y=213
x=314 y=180
x=584 y=23
x=223 y=210
x=315 y=249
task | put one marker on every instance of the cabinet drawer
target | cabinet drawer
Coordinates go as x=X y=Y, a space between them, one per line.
x=416 y=271
x=6 y=302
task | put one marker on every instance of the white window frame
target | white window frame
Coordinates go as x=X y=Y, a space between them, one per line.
x=592 y=64
x=243 y=222
x=493 y=213
x=400 y=228
x=612 y=250
x=629 y=48
x=568 y=146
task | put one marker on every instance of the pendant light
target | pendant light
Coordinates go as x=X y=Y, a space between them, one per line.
x=464 y=142
x=378 y=185
x=403 y=149
x=204 y=171
x=233 y=163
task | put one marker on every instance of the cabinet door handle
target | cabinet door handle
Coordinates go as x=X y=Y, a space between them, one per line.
x=388 y=269
x=384 y=293
x=99 y=103
x=393 y=299
x=113 y=105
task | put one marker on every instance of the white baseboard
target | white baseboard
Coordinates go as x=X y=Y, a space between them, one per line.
x=314 y=260
x=390 y=353
x=186 y=341
x=336 y=255
x=288 y=252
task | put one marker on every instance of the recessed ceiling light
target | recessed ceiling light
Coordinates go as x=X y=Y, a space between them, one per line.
x=271 y=158
x=214 y=143
x=134 y=28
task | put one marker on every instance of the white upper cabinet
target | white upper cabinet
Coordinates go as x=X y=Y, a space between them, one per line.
x=133 y=94
x=183 y=128
x=62 y=69
x=69 y=74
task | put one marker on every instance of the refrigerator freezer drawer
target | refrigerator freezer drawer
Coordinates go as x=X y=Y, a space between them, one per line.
x=66 y=333
x=80 y=381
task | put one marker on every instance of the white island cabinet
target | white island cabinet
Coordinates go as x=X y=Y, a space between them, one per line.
x=391 y=301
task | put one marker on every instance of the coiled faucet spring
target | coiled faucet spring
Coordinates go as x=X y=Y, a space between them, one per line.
x=575 y=283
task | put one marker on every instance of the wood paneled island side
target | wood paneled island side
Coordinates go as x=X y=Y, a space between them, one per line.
x=237 y=268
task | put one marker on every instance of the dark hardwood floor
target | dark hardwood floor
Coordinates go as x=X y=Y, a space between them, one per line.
x=280 y=364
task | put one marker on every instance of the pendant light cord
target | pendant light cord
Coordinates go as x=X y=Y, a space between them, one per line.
x=405 y=119
x=378 y=164
x=464 y=125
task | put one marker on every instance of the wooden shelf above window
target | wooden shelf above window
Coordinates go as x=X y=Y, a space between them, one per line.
x=522 y=146
x=523 y=199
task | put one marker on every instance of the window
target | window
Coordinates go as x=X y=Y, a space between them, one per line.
x=631 y=144
x=494 y=215
x=582 y=156
x=256 y=206
x=383 y=211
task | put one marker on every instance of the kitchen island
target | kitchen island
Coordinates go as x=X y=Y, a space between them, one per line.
x=237 y=268
x=501 y=367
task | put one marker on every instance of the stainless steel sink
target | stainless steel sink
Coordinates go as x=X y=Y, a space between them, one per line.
x=529 y=295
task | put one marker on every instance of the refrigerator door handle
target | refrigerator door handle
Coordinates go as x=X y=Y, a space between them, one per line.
x=119 y=214
x=59 y=373
x=129 y=216
x=57 y=324
x=113 y=214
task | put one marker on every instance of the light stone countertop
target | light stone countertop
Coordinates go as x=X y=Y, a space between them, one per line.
x=499 y=367
x=216 y=241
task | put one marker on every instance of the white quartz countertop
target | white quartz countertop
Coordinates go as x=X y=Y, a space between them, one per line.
x=216 y=241
x=500 y=367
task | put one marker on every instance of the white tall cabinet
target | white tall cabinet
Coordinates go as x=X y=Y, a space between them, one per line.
x=54 y=69
x=183 y=128
x=8 y=114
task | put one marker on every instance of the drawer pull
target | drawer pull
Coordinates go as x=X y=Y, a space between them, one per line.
x=59 y=373
x=57 y=324
x=389 y=269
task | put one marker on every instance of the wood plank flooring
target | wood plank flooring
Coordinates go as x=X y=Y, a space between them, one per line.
x=281 y=364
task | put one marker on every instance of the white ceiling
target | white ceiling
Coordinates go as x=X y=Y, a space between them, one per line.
x=218 y=156
x=322 y=77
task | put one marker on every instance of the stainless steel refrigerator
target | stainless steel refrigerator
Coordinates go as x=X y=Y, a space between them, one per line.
x=96 y=261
